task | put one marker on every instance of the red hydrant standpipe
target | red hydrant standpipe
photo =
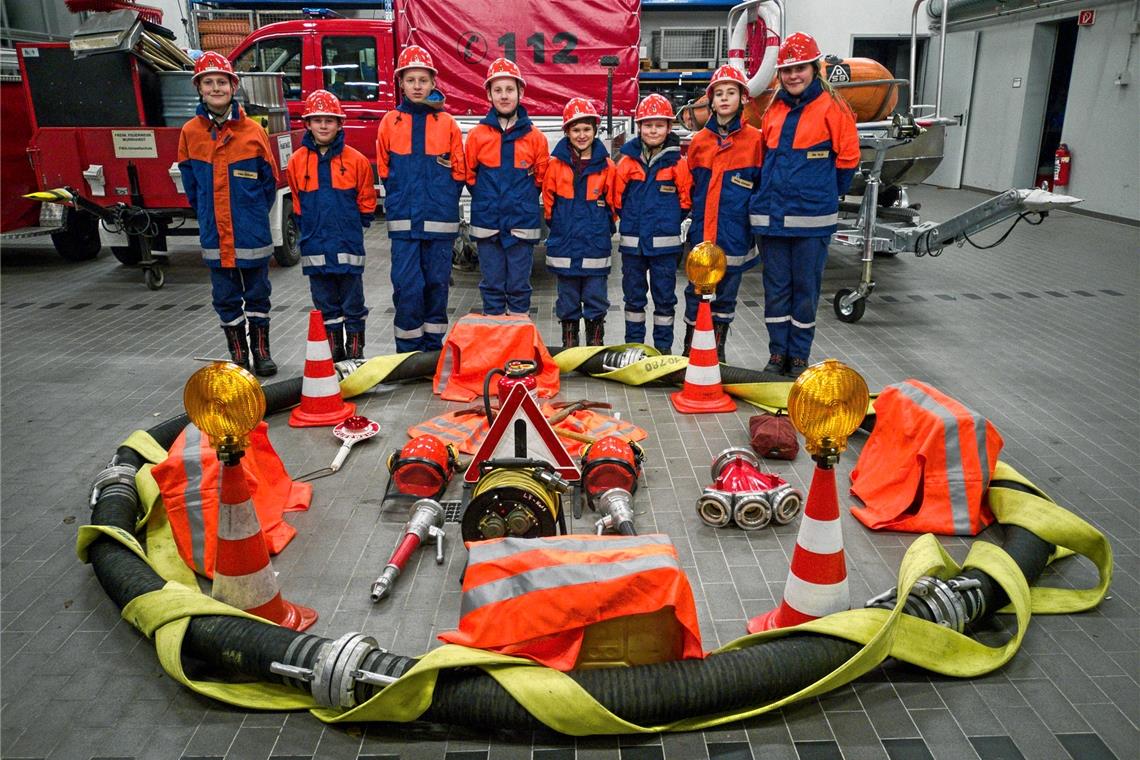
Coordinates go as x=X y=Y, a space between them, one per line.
x=425 y=524
x=746 y=496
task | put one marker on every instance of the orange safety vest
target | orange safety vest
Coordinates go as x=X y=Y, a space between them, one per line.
x=189 y=480
x=927 y=464
x=479 y=343
x=535 y=597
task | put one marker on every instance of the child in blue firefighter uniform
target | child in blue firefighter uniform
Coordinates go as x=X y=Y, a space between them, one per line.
x=577 y=199
x=506 y=163
x=333 y=201
x=811 y=152
x=230 y=177
x=651 y=192
x=724 y=158
x=419 y=157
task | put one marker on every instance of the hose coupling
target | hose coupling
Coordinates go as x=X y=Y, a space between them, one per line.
x=953 y=603
x=715 y=507
x=551 y=480
x=618 y=359
x=113 y=474
x=752 y=511
x=338 y=668
x=616 y=506
x=346 y=367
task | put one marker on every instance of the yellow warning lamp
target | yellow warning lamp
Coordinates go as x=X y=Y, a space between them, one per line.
x=826 y=404
x=705 y=267
x=225 y=402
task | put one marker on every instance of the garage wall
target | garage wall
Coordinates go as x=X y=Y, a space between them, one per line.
x=1101 y=124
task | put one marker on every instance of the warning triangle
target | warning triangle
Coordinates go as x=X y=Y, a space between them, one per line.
x=521 y=431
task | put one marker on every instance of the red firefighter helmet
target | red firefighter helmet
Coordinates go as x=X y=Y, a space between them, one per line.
x=213 y=63
x=654 y=106
x=414 y=57
x=579 y=109
x=322 y=103
x=503 y=67
x=423 y=467
x=727 y=73
x=798 y=48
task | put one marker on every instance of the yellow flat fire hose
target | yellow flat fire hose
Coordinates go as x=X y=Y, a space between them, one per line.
x=556 y=700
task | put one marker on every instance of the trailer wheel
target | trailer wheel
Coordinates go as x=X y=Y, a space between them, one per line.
x=288 y=254
x=852 y=313
x=128 y=255
x=155 y=278
x=79 y=238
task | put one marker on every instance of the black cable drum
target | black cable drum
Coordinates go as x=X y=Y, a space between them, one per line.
x=237 y=648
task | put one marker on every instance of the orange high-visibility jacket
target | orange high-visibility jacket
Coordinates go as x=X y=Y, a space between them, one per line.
x=189 y=480
x=927 y=464
x=534 y=597
x=478 y=343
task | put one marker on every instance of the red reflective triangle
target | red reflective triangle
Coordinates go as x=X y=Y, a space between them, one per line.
x=541 y=440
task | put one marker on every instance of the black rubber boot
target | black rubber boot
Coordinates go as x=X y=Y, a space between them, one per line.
x=570 y=332
x=688 y=340
x=595 y=332
x=263 y=364
x=354 y=345
x=335 y=335
x=796 y=367
x=720 y=332
x=777 y=364
x=237 y=344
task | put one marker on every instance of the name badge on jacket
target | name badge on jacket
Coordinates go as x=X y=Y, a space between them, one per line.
x=818 y=153
x=738 y=180
x=244 y=174
x=667 y=189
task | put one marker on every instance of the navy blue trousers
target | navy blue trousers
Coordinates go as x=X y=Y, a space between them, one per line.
x=240 y=293
x=793 y=277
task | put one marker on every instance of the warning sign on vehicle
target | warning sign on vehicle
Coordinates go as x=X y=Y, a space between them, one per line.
x=521 y=431
x=134 y=143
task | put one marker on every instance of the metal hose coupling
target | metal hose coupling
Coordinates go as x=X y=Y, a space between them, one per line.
x=616 y=506
x=617 y=359
x=115 y=474
x=953 y=603
x=342 y=670
x=346 y=367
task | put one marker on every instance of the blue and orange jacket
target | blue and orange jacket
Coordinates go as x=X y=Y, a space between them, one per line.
x=652 y=198
x=230 y=177
x=504 y=174
x=419 y=156
x=811 y=152
x=726 y=170
x=579 y=208
x=334 y=200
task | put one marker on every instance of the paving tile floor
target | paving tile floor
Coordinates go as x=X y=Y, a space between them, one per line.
x=1039 y=334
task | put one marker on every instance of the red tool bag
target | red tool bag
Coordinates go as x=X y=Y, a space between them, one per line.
x=773 y=436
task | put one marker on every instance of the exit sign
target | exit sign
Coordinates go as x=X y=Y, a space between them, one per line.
x=1086 y=17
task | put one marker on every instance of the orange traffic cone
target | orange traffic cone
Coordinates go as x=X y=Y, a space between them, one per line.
x=321 y=402
x=702 y=392
x=243 y=574
x=817 y=580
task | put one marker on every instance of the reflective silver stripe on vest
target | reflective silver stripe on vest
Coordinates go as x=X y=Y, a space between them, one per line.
x=313 y=261
x=211 y=254
x=503 y=321
x=486 y=551
x=630 y=241
x=482 y=232
x=399 y=225
x=558 y=576
x=445 y=369
x=811 y=221
x=759 y=220
x=192 y=496
x=430 y=226
x=666 y=240
x=735 y=261
x=952 y=444
x=351 y=259
x=250 y=254
x=526 y=234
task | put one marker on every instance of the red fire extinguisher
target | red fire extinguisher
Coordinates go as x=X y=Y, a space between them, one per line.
x=1062 y=165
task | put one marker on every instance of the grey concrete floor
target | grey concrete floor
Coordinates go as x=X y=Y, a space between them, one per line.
x=1039 y=334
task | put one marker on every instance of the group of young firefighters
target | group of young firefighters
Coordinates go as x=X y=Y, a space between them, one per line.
x=775 y=189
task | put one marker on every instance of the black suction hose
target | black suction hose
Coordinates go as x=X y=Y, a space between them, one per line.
x=647 y=695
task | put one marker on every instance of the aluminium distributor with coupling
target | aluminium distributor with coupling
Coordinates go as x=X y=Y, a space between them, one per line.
x=742 y=494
